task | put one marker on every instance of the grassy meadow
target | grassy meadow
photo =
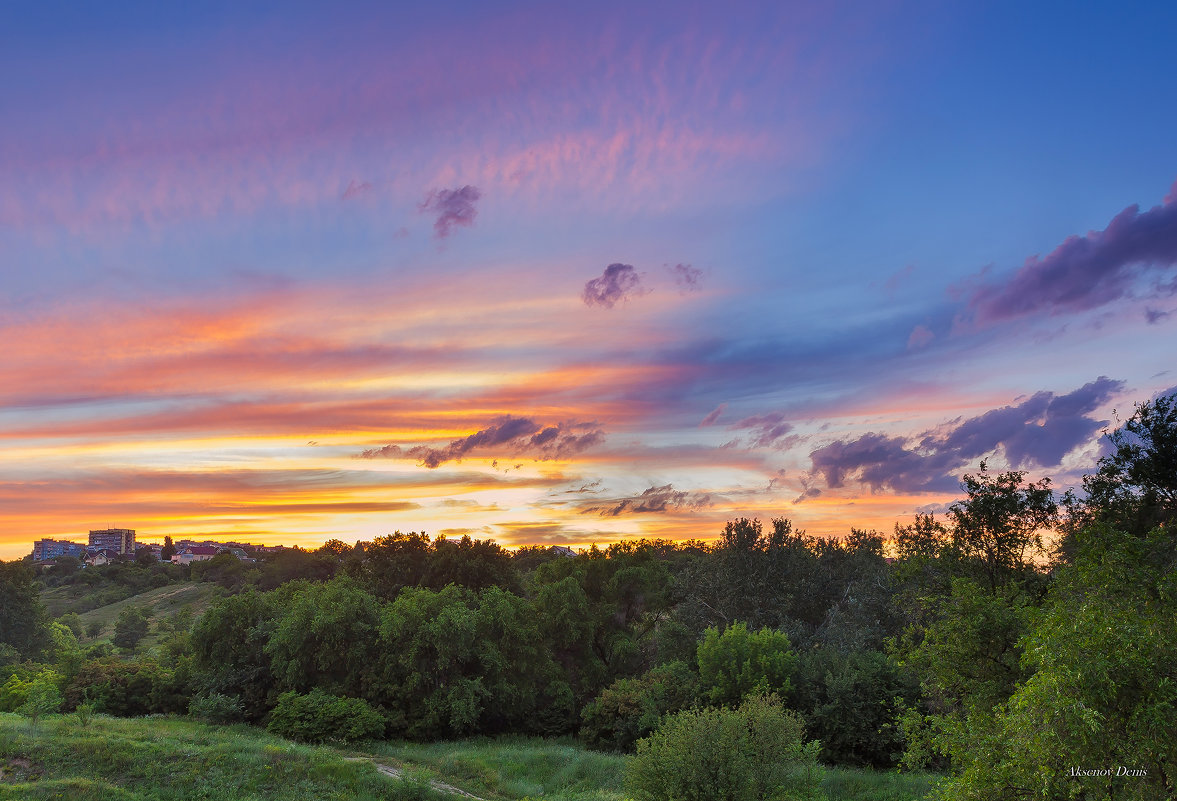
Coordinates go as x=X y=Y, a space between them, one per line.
x=178 y=759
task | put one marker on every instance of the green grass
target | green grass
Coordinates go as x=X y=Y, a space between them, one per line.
x=518 y=767
x=848 y=784
x=178 y=759
x=174 y=759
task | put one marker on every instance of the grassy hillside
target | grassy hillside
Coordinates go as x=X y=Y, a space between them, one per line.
x=173 y=759
x=161 y=603
x=177 y=759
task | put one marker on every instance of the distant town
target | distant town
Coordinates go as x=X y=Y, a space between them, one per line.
x=108 y=545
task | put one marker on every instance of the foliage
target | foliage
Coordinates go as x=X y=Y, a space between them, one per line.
x=226 y=570
x=73 y=622
x=455 y=663
x=318 y=717
x=997 y=529
x=969 y=658
x=1101 y=689
x=325 y=637
x=130 y=628
x=22 y=624
x=216 y=708
x=754 y=752
x=850 y=702
x=1135 y=488
x=736 y=663
x=129 y=688
x=14 y=692
x=229 y=655
x=42 y=696
x=630 y=709
x=294 y=564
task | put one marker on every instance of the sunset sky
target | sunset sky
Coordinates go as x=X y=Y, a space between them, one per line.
x=569 y=273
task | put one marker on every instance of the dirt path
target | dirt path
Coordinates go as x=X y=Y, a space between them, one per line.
x=396 y=773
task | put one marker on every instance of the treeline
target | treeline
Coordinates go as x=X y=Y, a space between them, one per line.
x=1020 y=635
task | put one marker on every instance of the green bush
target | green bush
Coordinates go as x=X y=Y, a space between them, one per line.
x=851 y=702
x=751 y=753
x=217 y=708
x=737 y=663
x=630 y=709
x=128 y=689
x=317 y=717
x=13 y=693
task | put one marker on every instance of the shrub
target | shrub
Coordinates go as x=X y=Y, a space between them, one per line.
x=217 y=708
x=317 y=717
x=851 y=702
x=751 y=753
x=13 y=693
x=43 y=696
x=739 y=662
x=127 y=689
x=630 y=709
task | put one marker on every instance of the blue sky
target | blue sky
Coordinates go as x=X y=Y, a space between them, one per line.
x=552 y=243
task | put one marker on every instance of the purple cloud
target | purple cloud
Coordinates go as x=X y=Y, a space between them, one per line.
x=1039 y=431
x=883 y=462
x=616 y=284
x=687 y=278
x=810 y=492
x=453 y=207
x=768 y=430
x=386 y=452
x=712 y=416
x=1086 y=272
x=355 y=189
x=517 y=436
x=653 y=500
x=919 y=337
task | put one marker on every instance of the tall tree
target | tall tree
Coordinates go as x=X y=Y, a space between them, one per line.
x=22 y=622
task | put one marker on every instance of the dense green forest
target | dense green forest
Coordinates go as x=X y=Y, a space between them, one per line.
x=1023 y=637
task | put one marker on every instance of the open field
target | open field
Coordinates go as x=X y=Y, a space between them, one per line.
x=177 y=759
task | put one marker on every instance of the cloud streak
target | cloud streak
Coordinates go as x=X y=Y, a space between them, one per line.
x=655 y=500
x=1087 y=272
x=514 y=436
